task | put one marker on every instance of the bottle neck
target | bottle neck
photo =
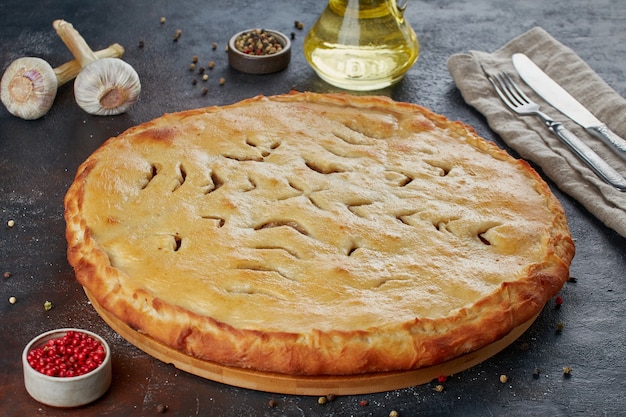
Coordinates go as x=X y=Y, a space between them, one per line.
x=367 y=9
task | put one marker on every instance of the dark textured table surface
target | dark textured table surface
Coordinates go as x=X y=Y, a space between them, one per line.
x=38 y=160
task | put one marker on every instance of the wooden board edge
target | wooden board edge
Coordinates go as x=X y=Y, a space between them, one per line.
x=298 y=384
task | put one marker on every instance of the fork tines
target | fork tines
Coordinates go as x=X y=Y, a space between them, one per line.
x=508 y=90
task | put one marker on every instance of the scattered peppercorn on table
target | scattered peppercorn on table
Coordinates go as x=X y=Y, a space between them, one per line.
x=568 y=362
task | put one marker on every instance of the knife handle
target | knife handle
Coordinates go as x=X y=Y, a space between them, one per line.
x=592 y=159
x=606 y=135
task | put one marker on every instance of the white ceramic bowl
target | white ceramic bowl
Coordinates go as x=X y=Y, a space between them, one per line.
x=66 y=391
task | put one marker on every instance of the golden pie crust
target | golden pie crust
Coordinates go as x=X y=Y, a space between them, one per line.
x=312 y=234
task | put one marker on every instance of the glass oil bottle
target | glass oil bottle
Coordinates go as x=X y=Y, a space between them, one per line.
x=362 y=44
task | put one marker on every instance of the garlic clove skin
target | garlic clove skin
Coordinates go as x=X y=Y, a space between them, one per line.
x=107 y=87
x=28 y=88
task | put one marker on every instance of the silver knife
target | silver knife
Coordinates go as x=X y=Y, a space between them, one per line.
x=560 y=99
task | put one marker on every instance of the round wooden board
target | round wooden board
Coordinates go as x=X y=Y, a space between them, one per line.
x=304 y=385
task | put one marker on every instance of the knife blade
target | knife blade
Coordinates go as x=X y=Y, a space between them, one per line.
x=563 y=101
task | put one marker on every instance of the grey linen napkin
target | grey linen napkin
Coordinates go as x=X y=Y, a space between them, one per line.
x=530 y=138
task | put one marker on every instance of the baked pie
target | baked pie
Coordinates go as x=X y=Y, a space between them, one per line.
x=315 y=234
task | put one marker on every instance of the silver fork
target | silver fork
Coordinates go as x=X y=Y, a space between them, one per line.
x=517 y=101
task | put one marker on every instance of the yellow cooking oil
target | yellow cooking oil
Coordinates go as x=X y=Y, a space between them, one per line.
x=361 y=44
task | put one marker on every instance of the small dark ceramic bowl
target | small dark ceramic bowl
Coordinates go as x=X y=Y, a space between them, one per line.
x=260 y=64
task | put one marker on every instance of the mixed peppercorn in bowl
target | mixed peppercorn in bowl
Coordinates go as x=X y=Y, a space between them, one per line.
x=259 y=51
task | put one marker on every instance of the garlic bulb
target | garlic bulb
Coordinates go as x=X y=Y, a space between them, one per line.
x=108 y=88
x=29 y=85
x=103 y=87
